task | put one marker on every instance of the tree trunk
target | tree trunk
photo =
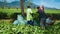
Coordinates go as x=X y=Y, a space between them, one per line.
x=4 y=3
x=22 y=7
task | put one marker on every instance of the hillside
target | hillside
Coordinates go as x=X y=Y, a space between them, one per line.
x=16 y=4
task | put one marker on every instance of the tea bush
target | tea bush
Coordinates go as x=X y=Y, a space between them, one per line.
x=3 y=15
x=9 y=28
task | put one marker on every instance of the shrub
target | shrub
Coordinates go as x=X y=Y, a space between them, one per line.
x=55 y=16
x=3 y=15
x=14 y=15
x=8 y=28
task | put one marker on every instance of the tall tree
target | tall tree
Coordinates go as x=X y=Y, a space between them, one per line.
x=22 y=6
x=4 y=3
x=29 y=3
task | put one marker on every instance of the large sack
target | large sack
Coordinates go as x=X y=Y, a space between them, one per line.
x=15 y=22
x=20 y=20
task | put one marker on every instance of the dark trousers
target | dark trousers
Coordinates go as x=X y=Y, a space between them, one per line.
x=42 y=22
x=30 y=22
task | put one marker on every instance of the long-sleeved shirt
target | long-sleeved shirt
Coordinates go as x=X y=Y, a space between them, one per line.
x=41 y=13
x=29 y=16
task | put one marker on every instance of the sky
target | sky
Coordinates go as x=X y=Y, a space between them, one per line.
x=9 y=1
x=47 y=3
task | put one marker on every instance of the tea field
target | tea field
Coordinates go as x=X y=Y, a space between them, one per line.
x=6 y=27
x=12 y=10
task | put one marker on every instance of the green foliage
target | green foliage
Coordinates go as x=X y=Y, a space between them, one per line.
x=24 y=0
x=9 y=28
x=10 y=13
x=52 y=11
x=54 y=16
x=3 y=15
x=14 y=15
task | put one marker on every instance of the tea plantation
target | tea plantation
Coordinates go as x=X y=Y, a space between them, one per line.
x=9 y=28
